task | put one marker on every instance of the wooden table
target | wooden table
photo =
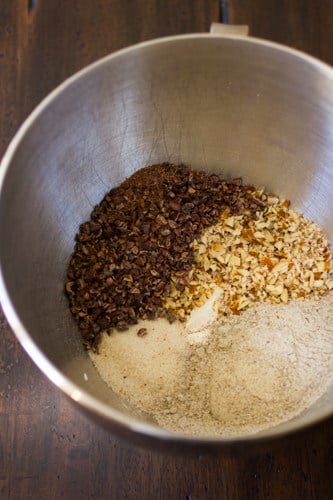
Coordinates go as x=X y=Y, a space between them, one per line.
x=48 y=450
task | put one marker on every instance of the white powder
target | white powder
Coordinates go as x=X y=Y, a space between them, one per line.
x=231 y=377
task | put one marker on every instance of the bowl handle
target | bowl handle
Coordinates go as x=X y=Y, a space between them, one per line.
x=229 y=29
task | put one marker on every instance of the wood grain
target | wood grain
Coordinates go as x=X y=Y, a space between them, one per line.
x=303 y=24
x=48 y=450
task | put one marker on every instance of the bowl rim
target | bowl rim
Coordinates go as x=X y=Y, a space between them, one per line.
x=92 y=404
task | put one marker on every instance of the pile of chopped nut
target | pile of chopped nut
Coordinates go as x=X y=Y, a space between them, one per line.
x=276 y=257
x=168 y=237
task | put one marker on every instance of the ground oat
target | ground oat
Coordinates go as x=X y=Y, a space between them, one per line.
x=239 y=375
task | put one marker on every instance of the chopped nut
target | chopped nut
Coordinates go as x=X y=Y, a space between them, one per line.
x=279 y=256
x=281 y=267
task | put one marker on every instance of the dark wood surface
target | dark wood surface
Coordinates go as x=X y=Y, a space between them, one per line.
x=48 y=450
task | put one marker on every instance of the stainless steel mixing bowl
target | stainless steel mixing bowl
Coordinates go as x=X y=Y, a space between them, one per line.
x=232 y=105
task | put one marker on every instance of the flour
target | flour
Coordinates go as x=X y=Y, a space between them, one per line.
x=224 y=377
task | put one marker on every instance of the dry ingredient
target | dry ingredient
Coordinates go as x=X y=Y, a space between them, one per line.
x=162 y=242
x=238 y=375
x=140 y=235
x=172 y=243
